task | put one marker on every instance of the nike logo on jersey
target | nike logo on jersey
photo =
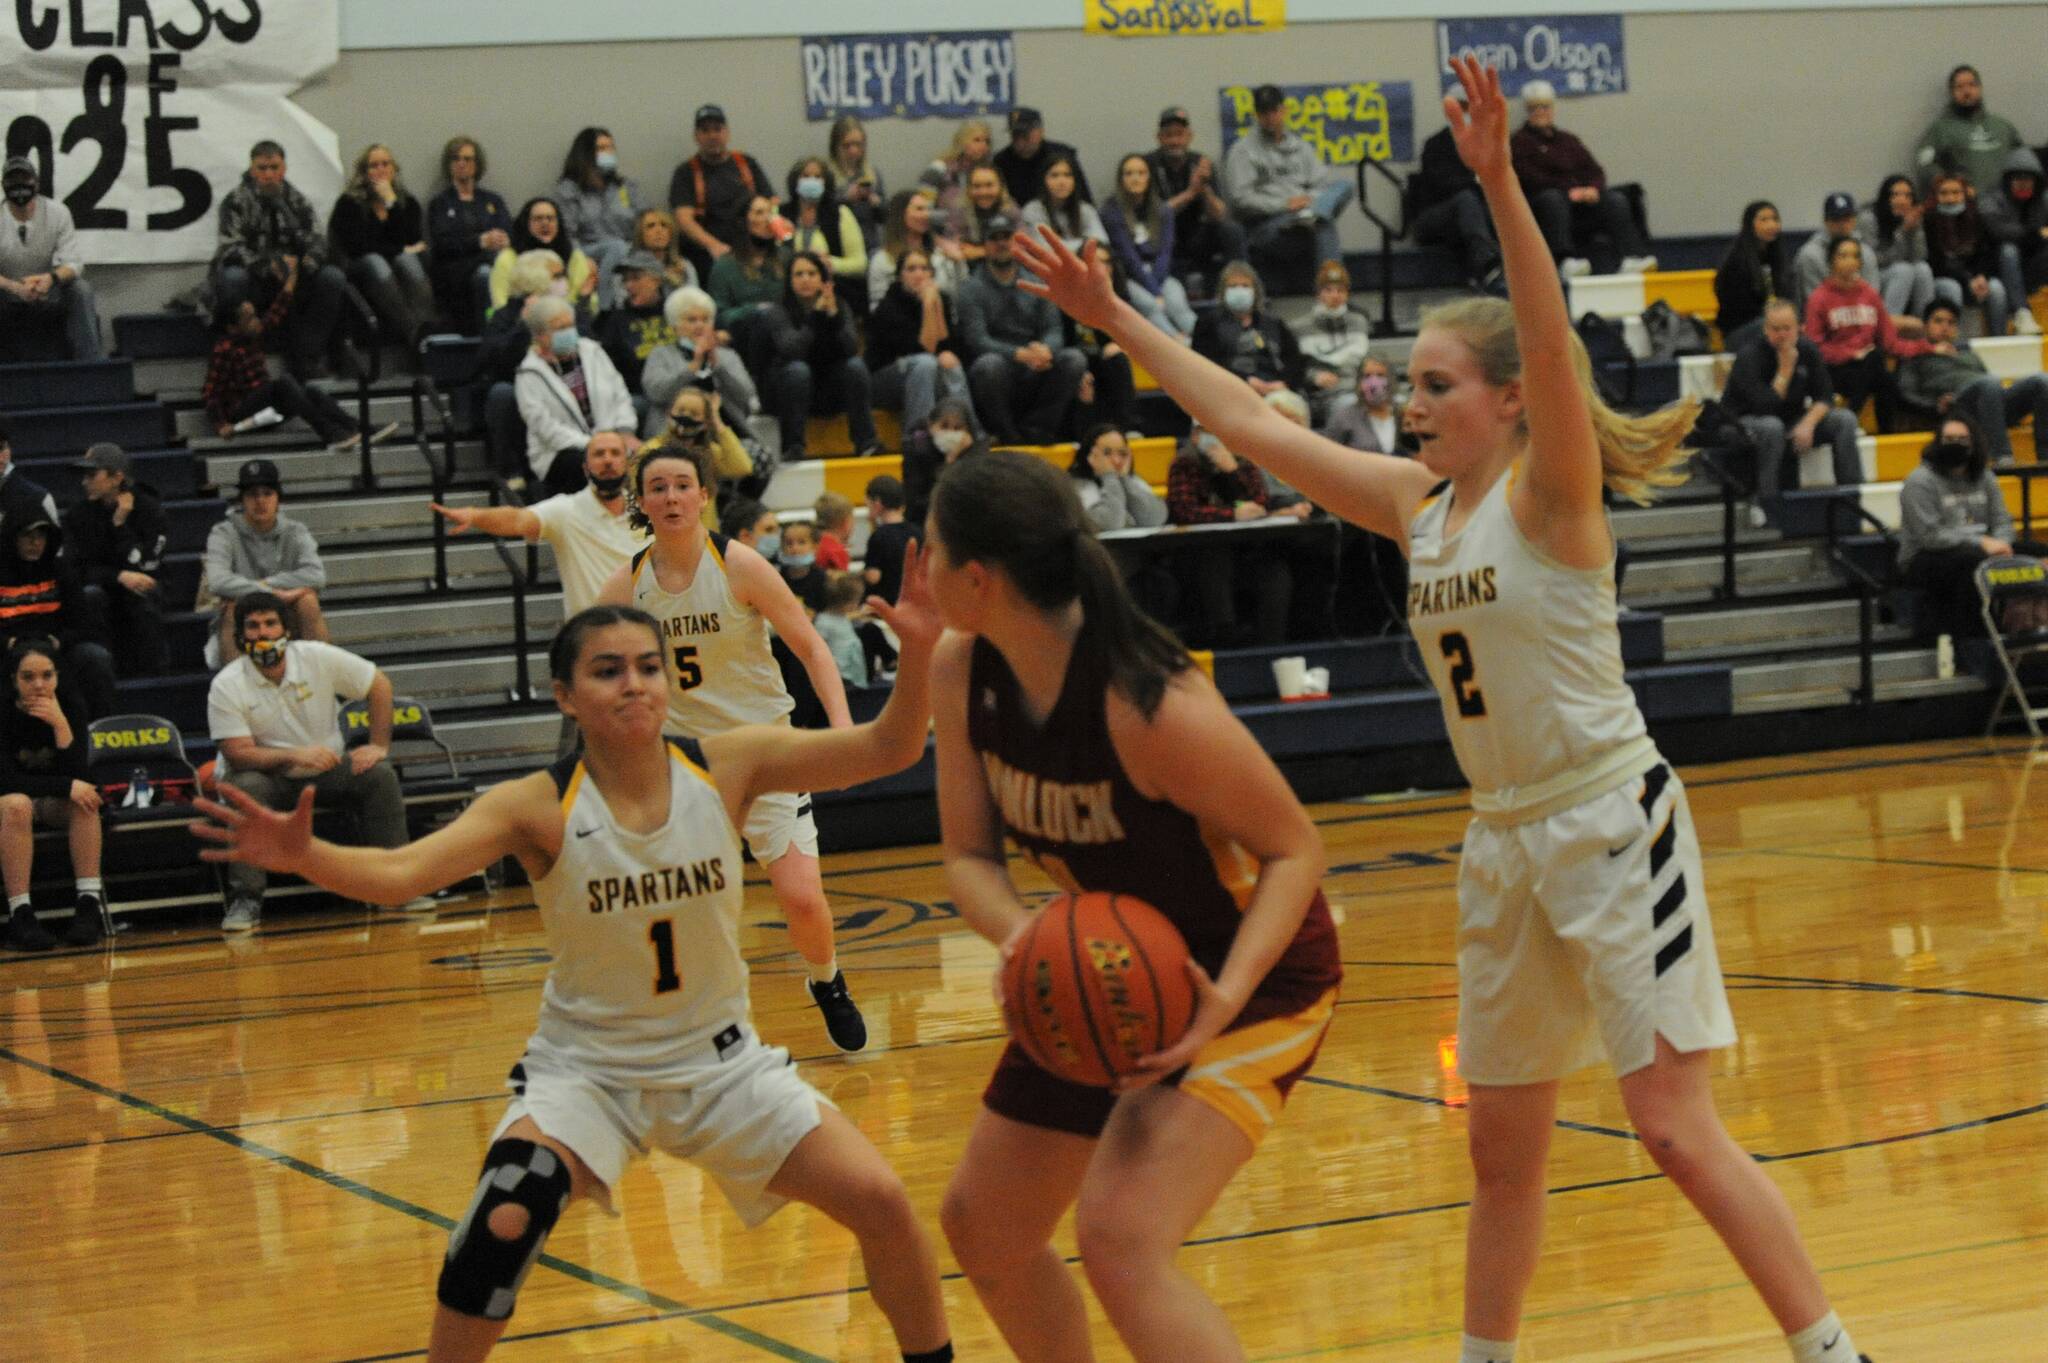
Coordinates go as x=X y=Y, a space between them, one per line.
x=1617 y=851
x=1832 y=1343
x=585 y=832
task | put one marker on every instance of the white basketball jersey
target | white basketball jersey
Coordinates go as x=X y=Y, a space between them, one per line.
x=644 y=928
x=721 y=672
x=1525 y=654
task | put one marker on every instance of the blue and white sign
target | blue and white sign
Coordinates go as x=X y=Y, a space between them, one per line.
x=1579 y=54
x=1346 y=121
x=921 y=75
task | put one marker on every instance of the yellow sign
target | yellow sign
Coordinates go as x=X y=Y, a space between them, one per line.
x=1175 y=18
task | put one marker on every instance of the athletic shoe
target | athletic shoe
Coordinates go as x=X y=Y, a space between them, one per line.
x=1571 y=267
x=383 y=433
x=347 y=444
x=2023 y=323
x=24 y=933
x=85 y=927
x=843 y=1022
x=1638 y=264
x=242 y=916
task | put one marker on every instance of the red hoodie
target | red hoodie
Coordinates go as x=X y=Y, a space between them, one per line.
x=1845 y=321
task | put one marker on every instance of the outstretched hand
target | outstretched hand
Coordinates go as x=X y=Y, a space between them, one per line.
x=1480 y=130
x=1078 y=285
x=251 y=832
x=914 y=615
x=460 y=517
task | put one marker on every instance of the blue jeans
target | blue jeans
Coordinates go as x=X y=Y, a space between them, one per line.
x=796 y=393
x=1325 y=204
x=914 y=384
x=1908 y=287
x=398 y=292
x=1168 y=309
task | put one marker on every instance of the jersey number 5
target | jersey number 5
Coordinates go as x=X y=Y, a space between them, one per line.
x=689 y=676
x=1464 y=676
x=663 y=934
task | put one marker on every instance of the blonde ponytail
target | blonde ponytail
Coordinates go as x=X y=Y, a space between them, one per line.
x=1637 y=453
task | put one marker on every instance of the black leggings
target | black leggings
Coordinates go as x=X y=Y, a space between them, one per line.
x=294 y=399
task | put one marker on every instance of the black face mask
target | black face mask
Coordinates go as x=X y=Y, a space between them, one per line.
x=609 y=488
x=1952 y=455
x=21 y=195
x=687 y=429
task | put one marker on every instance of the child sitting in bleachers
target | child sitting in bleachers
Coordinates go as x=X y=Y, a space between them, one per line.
x=834 y=516
x=798 y=561
x=840 y=602
x=239 y=388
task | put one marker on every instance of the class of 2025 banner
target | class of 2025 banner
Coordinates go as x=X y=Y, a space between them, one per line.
x=921 y=75
x=1346 y=121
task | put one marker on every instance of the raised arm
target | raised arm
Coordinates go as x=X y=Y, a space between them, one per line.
x=506 y=522
x=1376 y=491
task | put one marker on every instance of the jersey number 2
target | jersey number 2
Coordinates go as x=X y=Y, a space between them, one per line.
x=1464 y=676
x=689 y=676
x=663 y=934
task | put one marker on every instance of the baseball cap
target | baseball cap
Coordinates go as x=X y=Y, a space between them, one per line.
x=709 y=113
x=259 y=473
x=1022 y=119
x=1838 y=205
x=998 y=225
x=1267 y=98
x=1539 y=92
x=1172 y=114
x=18 y=168
x=106 y=456
x=33 y=518
x=645 y=261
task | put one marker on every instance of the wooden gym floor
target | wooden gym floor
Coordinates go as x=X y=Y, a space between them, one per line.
x=251 y=1151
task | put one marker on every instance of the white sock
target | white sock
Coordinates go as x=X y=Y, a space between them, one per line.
x=91 y=885
x=1824 y=1341
x=1476 y=1350
x=822 y=974
x=16 y=901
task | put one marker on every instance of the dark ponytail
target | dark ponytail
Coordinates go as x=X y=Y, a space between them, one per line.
x=1018 y=513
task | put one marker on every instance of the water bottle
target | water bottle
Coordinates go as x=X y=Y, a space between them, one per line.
x=141 y=794
x=1945 y=657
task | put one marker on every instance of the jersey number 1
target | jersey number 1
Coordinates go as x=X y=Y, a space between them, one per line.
x=689 y=676
x=1464 y=676
x=663 y=934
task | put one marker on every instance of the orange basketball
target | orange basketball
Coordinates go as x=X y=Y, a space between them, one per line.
x=1099 y=981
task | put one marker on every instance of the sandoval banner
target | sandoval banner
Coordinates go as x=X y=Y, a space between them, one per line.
x=139 y=114
x=1169 y=18
x=890 y=75
x=1579 y=54
x=1345 y=121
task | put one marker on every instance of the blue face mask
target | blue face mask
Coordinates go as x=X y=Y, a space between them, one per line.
x=563 y=343
x=810 y=188
x=1239 y=298
x=797 y=560
x=607 y=161
x=1954 y=210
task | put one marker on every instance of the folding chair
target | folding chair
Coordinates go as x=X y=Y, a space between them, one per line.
x=123 y=746
x=2012 y=589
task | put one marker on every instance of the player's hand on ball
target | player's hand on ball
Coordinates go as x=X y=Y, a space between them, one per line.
x=1213 y=1011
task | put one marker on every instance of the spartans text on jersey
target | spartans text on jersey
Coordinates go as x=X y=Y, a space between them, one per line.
x=1434 y=596
x=678 y=625
x=656 y=887
x=1083 y=813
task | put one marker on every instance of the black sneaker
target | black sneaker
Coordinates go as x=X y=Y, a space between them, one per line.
x=85 y=927
x=24 y=933
x=843 y=1022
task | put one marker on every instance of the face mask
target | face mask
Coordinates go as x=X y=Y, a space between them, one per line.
x=1954 y=210
x=798 y=560
x=1373 y=389
x=950 y=443
x=558 y=287
x=1952 y=454
x=1328 y=313
x=21 y=196
x=769 y=546
x=763 y=240
x=563 y=343
x=2022 y=191
x=810 y=189
x=607 y=161
x=1238 y=298
x=688 y=429
x=266 y=652
x=609 y=488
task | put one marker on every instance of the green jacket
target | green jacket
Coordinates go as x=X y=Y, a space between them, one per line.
x=1975 y=146
x=1925 y=379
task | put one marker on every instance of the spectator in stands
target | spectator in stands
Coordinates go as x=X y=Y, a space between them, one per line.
x=1967 y=257
x=698 y=359
x=2018 y=214
x=914 y=343
x=379 y=235
x=929 y=449
x=1276 y=184
x=254 y=548
x=1281 y=497
x=41 y=597
x=908 y=224
x=713 y=192
x=838 y=604
x=827 y=227
x=539 y=227
x=44 y=749
x=695 y=423
x=1141 y=233
x=271 y=247
x=1952 y=516
x=1893 y=226
x=116 y=539
x=1205 y=236
x=275 y=714
x=833 y=515
x=1450 y=211
x=986 y=198
x=1568 y=190
x=752 y=524
x=637 y=325
x=655 y=233
x=1023 y=163
x=1949 y=379
x=947 y=177
x=1247 y=339
x=818 y=368
x=888 y=535
x=600 y=207
x=1780 y=390
x=1839 y=221
x=467 y=226
x=19 y=493
x=1061 y=205
x=1333 y=338
x=1373 y=422
x=860 y=184
x=1966 y=139
x=797 y=560
x=747 y=279
x=1847 y=319
x=46 y=307
x=1205 y=485
x=568 y=391
x=503 y=348
x=239 y=389
x=1114 y=497
x=1756 y=270
x=1109 y=390
x=1023 y=374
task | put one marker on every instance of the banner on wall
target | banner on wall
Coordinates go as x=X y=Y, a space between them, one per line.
x=1345 y=121
x=1173 y=18
x=1579 y=54
x=925 y=75
x=140 y=116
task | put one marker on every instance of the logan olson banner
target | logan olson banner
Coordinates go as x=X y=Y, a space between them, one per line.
x=887 y=75
x=1579 y=54
x=1345 y=121
x=139 y=114
x=1170 y=18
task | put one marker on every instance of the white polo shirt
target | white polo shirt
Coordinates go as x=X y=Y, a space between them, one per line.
x=301 y=711
x=590 y=544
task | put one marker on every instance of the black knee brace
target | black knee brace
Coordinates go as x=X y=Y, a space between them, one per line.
x=482 y=1273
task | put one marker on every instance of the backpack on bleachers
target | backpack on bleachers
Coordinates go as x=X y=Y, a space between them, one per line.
x=1672 y=333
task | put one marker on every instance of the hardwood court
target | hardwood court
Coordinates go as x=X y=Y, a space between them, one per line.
x=219 y=1152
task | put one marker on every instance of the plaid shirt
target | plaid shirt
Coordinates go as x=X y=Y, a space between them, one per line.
x=1197 y=494
x=236 y=370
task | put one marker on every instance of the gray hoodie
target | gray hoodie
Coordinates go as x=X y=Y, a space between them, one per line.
x=1940 y=512
x=240 y=561
x=2008 y=218
x=1260 y=175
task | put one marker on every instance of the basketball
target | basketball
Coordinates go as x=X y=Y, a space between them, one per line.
x=1099 y=981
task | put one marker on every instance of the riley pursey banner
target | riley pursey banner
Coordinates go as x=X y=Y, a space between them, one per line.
x=922 y=75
